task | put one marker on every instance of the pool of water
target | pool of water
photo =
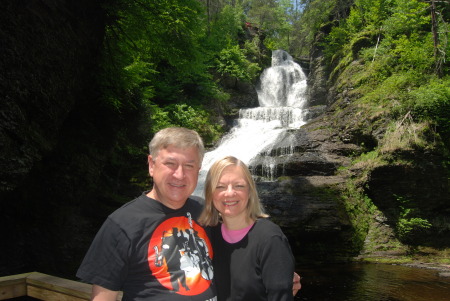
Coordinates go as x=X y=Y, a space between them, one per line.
x=365 y=282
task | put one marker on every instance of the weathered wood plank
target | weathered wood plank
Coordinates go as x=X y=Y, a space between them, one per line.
x=13 y=286
x=44 y=287
x=13 y=291
x=60 y=285
x=48 y=295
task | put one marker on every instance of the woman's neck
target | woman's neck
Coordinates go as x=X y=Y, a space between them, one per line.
x=237 y=223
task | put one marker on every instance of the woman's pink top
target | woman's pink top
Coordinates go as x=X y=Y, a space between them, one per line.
x=233 y=236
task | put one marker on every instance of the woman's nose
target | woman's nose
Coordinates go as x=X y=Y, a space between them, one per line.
x=230 y=190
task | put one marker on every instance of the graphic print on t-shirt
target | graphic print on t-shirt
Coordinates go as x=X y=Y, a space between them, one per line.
x=180 y=255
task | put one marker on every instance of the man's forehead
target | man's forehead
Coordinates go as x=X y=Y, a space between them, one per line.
x=190 y=154
x=172 y=158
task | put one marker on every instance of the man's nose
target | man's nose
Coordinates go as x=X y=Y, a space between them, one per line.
x=179 y=172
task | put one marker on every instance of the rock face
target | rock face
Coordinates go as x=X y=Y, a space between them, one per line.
x=34 y=103
x=310 y=197
x=305 y=199
x=50 y=51
x=334 y=209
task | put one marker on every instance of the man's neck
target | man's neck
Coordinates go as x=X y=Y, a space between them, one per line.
x=153 y=194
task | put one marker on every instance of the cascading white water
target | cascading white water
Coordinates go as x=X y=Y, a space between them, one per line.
x=283 y=84
x=281 y=98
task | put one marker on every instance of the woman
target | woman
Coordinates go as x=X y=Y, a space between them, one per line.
x=252 y=257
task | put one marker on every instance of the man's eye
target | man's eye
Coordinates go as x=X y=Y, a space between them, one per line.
x=170 y=164
x=189 y=166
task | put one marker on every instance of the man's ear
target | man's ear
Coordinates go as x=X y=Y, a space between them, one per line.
x=151 y=165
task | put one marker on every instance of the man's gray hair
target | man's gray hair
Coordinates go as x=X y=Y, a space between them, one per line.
x=178 y=137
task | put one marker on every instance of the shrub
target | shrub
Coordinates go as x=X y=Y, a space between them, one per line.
x=409 y=222
x=186 y=116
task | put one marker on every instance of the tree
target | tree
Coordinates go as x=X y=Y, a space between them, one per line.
x=271 y=17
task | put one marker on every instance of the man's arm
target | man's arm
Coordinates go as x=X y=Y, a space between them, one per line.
x=102 y=294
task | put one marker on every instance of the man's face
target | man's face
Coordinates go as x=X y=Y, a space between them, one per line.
x=175 y=174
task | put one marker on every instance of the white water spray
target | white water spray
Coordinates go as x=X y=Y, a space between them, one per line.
x=281 y=98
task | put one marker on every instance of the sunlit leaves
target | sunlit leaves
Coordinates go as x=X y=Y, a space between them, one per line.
x=415 y=52
x=407 y=17
x=184 y=115
x=226 y=28
x=232 y=61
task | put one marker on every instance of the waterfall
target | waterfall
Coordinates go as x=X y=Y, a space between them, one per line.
x=281 y=96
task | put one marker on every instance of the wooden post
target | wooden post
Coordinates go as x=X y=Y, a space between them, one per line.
x=13 y=286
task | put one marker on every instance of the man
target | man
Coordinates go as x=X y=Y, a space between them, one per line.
x=146 y=248
x=152 y=247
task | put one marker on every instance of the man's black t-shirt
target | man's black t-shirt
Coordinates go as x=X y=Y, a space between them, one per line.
x=151 y=252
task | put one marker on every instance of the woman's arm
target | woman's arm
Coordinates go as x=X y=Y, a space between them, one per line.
x=278 y=266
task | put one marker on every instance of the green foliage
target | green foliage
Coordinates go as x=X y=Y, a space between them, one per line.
x=335 y=43
x=187 y=116
x=232 y=61
x=409 y=222
x=159 y=118
x=137 y=76
x=432 y=102
x=279 y=28
x=400 y=66
x=404 y=26
x=371 y=14
x=252 y=50
x=406 y=226
x=372 y=156
x=407 y=17
x=388 y=90
x=270 y=16
x=227 y=27
x=414 y=52
x=315 y=14
x=358 y=207
x=154 y=47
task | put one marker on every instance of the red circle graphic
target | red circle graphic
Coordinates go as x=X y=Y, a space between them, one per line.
x=179 y=256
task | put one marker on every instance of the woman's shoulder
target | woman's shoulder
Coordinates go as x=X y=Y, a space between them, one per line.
x=267 y=226
x=267 y=234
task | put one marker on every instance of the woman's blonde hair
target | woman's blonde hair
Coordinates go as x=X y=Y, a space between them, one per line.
x=210 y=215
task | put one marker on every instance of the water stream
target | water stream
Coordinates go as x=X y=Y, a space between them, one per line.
x=372 y=282
x=281 y=97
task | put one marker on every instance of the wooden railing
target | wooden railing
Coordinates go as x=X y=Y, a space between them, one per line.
x=43 y=287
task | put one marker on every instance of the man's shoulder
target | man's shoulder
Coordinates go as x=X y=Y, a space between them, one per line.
x=134 y=206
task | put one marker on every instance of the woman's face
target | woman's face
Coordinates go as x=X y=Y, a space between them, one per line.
x=231 y=194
